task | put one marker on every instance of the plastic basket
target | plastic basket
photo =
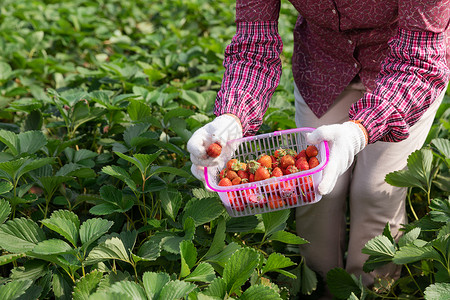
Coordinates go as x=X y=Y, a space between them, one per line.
x=294 y=190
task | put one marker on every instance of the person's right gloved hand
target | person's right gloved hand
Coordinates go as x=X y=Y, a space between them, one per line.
x=221 y=130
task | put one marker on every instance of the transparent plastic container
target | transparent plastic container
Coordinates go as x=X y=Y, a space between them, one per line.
x=275 y=193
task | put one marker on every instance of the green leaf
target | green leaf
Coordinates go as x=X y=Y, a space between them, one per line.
x=443 y=145
x=276 y=261
x=134 y=131
x=132 y=289
x=203 y=210
x=188 y=254
x=141 y=161
x=65 y=223
x=30 y=142
x=150 y=250
x=92 y=229
x=176 y=289
x=51 y=247
x=195 y=99
x=217 y=288
x=222 y=257
x=14 y=169
x=20 y=235
x=287 y=238
x=218 y=242
x=171 y=170
x=138 y=110
x=10 y=139
x=171 y=202
x=7 y=258
x=62 y=286
x=204 y=272
x=379 y=245
x=242 y=224
x=112 y=248
x=5 y=186
x=342 y=284
x=409 y=237
x=86 y=285
x=5 y=210
x=172 y=243
x=239 y=268
x=418 y=172
x=117 y=201
x=121 y=174
x=275 y=221
x=14 y=289
x=51 y=183
x=411 y=253
x=438 y=291
x=308 y=279
x=154 y=283
x=440 y=210
x=260 y=292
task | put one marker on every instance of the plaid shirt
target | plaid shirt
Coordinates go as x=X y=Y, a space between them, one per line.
x=399 y=49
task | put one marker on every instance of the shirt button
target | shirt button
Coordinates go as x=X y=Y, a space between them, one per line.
x=356 y=65
x=350 y=42
x=334 y=11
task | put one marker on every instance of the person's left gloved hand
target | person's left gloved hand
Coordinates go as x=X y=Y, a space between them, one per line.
x=344 y=141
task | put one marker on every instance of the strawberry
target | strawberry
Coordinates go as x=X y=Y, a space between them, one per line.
x=305 y=185
x=252 y=166
x=286 y=161
x=290 y=170
x=243 y=174
x=233 y=164
x=275 y=162
x=291 y=152
x=265 y=161
x=237 y=180
x=214 y=150
x=225 y=182
x=275 y=201
x=243 y=166
x=277 y=172
x=237 y=203
x=301 y=154
x=287 y=188
x=312 y=151
x=279 y=153
x=223 y=173
x=251 y=177
x=230 y=174
x=302 y=164
x=261 y=174
x=313 y=162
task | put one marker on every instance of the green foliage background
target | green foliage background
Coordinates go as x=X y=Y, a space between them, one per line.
x=97 y=102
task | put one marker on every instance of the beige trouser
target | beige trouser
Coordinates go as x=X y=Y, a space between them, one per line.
x=371 y=201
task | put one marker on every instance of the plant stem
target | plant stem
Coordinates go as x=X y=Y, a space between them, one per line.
x=415 y=282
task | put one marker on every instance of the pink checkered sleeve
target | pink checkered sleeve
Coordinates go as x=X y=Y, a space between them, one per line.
x=413 y=74
x=252 y=73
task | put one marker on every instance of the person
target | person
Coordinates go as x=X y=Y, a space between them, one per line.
x=369 y=76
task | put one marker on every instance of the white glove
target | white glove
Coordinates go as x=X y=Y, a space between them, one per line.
x=220 y=130
x=345 y=141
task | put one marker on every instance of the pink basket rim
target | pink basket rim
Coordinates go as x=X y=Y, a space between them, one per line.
x=253 y=185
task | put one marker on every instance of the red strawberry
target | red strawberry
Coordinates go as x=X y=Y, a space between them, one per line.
x=225 y=182
x=312 y=151
x=302 y=164
x=261 y=174
x=287 y=188
x=252 y=166
x=275 y=201
x=277 y=172
x=313 y=162
x=290 y=170
x=236 y=203
x=230 y=174
x=237 y=180
x=214 y=150
x=279 y=153
x=251 y=177
x=265 y=161
x=233 y=164
x=275 y=162
x=223 y=173
x=301 y=154
x=286 y=161
x=243 y=174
